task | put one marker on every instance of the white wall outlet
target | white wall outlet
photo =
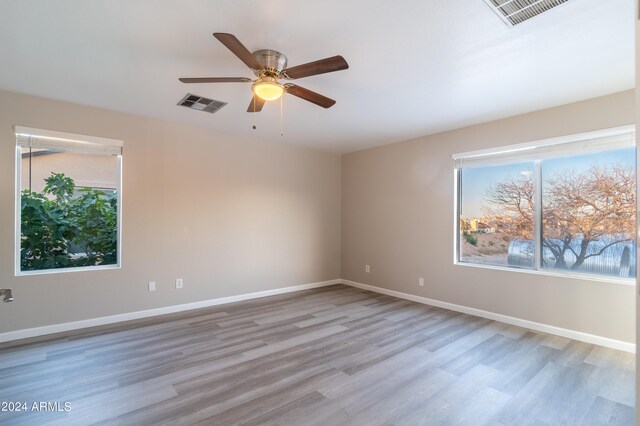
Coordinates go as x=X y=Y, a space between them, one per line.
x=421 y=282
x=367 y=268
x=178 y=282
x=152 y=286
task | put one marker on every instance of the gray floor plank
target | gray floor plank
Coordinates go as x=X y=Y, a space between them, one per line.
x=329 y=356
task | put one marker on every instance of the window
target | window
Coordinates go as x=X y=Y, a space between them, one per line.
x=565 y=206
x=68 y=201
x=496 y=204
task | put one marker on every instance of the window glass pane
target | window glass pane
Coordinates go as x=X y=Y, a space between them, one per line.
x=497 y=215
x=69 y=212
x=588 y=213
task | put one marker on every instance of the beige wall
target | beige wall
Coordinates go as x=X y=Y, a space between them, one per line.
x=268 y=216
x=262 y=216
x=397 y=216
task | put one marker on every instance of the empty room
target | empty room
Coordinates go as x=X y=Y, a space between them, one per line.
x=318 y=213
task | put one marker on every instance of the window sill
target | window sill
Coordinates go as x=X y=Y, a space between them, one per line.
x=550 y=273
x=65 y=270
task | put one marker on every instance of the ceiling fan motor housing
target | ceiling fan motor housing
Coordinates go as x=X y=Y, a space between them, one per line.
x=274 y=62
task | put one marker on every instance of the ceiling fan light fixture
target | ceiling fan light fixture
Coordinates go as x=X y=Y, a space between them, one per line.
x=268 y=88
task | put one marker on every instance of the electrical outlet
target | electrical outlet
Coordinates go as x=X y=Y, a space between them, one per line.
x=421 y=282
x=178 y=282
x=367 y=268
x=152 y=286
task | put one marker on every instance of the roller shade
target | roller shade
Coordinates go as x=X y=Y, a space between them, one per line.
x=28 y=137
x=584 y=143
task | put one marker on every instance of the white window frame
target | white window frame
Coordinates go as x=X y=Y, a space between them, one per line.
x=81 y=143
x=524 y=152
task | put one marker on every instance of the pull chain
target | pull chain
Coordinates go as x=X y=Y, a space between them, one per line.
x=281 y=114
x=254 y=111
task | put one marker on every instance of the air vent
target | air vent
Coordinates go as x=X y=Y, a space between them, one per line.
x=515 y=12
x=201 y=103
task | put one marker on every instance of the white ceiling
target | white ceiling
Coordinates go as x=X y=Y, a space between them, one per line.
x=416 y=66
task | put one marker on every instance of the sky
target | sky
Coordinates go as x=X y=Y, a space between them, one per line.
x=475 y=181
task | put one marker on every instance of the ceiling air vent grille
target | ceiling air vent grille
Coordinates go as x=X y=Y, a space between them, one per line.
x=201 y=103
x=515 y=12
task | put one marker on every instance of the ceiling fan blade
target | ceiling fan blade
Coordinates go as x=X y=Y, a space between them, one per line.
x=256 y=104
x=335 y=63
x=308 y=95
x=238 y=49
x=216 y=80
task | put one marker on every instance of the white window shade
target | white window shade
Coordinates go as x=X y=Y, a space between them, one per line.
x=619 y=137
x=28 y=137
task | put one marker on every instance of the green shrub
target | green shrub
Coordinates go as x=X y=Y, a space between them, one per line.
x=471 y=239
x=59 y=230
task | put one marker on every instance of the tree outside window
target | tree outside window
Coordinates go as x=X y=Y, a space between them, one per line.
x=587 y=220
x=68 y=207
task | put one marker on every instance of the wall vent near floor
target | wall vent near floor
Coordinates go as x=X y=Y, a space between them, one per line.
x=201 y=103
x=515 y=12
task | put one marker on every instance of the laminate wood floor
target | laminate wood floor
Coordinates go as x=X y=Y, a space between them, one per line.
x=330 y=356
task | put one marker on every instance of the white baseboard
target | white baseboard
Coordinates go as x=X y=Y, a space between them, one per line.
x=112 y=319
x=563 y=332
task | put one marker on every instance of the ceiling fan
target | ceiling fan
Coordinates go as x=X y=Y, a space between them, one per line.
x=270 y=66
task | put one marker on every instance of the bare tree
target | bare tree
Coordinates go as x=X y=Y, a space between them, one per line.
x=513 y=206
x=597 y=204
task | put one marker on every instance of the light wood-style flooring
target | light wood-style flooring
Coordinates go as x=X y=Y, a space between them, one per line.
x=330 y=356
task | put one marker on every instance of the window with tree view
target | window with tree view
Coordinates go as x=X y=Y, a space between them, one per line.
x=566 y=205
x=68 y=201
